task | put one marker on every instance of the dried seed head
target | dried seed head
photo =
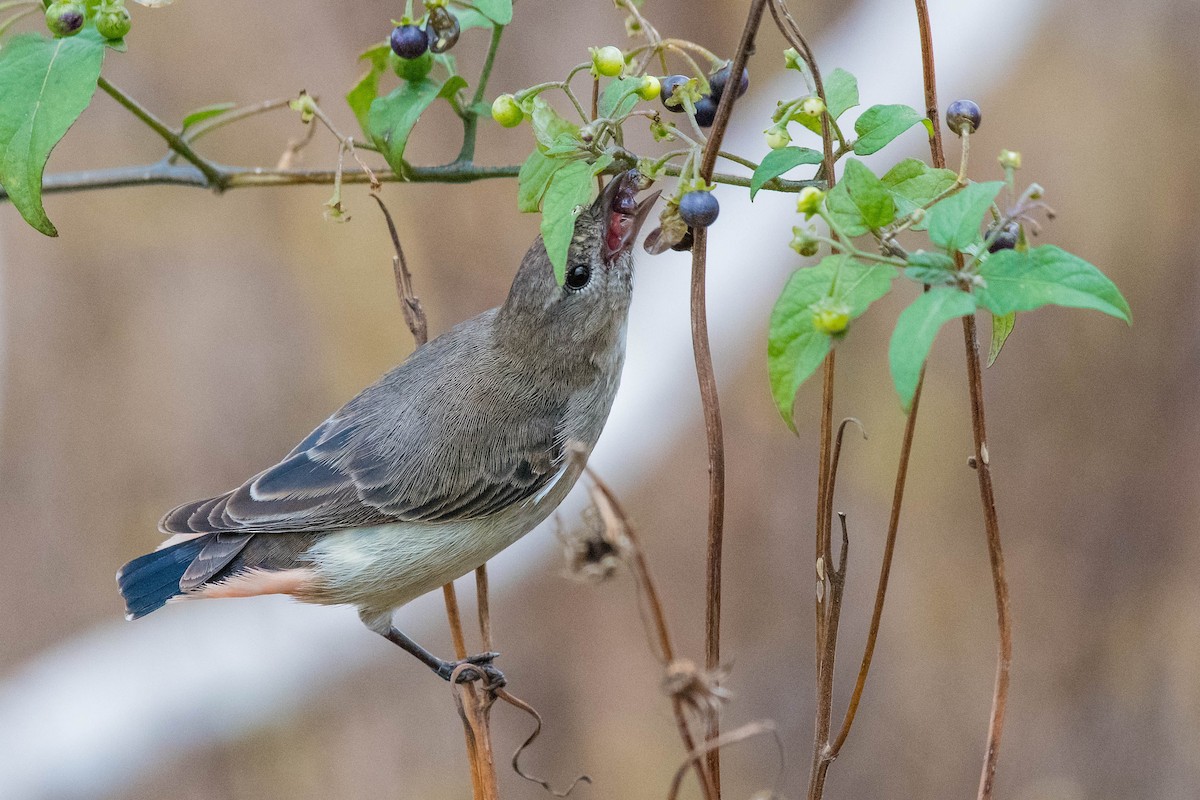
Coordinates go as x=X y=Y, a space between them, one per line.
x=698 y=689
x=592 y=551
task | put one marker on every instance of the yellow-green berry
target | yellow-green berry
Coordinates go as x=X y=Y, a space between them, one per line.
x=812 y=107
x=507 y=111
x=808 y=202
x=804 y=242
x=649 y=88
x=777 y=137
x=113 y=22
x=608 y=61
x=1010 y=159
x=411 y=69
x=830 y=317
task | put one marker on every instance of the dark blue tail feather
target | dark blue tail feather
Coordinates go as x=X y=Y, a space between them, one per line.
x=149 y=581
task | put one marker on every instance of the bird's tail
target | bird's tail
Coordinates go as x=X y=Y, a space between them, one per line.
x=149 y=581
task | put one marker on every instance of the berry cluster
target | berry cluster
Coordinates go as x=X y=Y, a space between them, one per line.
x=706 y=104
x=67 y=18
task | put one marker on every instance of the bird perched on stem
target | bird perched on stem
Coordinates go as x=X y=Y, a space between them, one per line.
x=444 y=462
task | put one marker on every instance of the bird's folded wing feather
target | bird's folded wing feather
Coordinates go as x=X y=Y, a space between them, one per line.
x=458 y=442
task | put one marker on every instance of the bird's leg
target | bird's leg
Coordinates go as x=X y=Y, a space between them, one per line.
x=482 y=663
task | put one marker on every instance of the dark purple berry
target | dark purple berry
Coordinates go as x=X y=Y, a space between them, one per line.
x=706 y=111
x=1005 y=239
x=409 y=41
x=699 y=209
x=669 y=84
x=963 y=115
x=442 y=28
x=720 y=78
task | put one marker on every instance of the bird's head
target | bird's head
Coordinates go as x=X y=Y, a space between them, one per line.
x=588 y=310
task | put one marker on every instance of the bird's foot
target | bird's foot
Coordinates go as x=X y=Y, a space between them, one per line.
x=473 y=668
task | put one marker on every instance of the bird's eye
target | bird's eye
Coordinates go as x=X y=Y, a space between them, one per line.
x=578 y=276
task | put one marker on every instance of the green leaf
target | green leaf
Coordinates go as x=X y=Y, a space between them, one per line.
x=363 y=93
x=794 y=347
x=915 y=331
x=548 y=125
x=841 y=92
x=879 y=125
x=534 y=178
x=931 y=268
x=913 y=184
x=619 y=97
x=390 y=119
x=207 y=112
x=45 y=84
x=777 y=162
x=569 y=189
x=1002 y=326
x=860 y=202
x=954 y=222
x=1046 y=275
x=498 y=11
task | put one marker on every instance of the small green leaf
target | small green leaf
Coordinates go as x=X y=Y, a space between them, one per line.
x=390 y=119
x=364 y=92
x=45 y=84
x=534 y=178
x=569 y=189
x=915 y=331
x=931 y=268
x=795 y=348
x=548 y=125
x=498 y=11
x=777 y=162
x=913 y=184
x=879 y=125
x=841 y=92
x=1002 y=326
x=1046 y=275
x=954 y=222
x=860 y=202
x=207 y=112
x=619 y=97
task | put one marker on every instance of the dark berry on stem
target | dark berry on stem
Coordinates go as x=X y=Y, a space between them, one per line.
x=669 y=84
x=65 y=18
x=719 y=79
x=963 y=114
x=699 y=209
x=1005 y=239
x=442 y=28
x=409 y=41
x=706 y=111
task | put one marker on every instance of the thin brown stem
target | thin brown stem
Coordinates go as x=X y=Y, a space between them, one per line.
x=483 y=607
x=708 y=389
x=987 y=495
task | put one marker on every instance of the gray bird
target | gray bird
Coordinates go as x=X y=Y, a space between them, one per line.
x=445 y=461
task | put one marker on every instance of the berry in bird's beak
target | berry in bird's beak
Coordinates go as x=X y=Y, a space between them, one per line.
x=625 y=214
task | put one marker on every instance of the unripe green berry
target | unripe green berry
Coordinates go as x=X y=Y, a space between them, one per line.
x=808 y=202
x=607 y=61
x=507 y=111
x=830 y=317
x=413 y=70
x=777 y=137
x=65 y=18
x=1010 y=159
x=813 y=107
x=804 y=242
x=649 y=88
x=113 y=22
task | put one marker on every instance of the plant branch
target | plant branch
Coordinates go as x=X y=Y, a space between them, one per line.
x=173 y=140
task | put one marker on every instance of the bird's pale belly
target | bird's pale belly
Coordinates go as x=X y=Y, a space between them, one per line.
x=386 y=566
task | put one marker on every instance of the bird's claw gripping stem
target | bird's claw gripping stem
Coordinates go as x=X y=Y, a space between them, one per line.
x=473 y=668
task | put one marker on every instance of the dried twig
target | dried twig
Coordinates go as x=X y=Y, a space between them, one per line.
x=520 y=704
x=747 y=731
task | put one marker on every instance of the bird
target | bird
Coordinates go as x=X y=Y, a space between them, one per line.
x=428 y=473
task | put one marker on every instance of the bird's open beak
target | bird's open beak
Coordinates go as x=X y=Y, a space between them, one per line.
x=625 y=214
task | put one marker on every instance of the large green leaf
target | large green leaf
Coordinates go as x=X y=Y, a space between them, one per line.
x=364 y=92
x=954 y=222
x=915 y=331
x=534 y=179
x=795 y=348
x=569 y=189
x=913 y=184
x=390 y=119
x=1001 y=328
x=45 y=84
x=777 y=162
x=619 y=97
x=860 y=202
x=548 y=125
x=1046 y=275
x=498 y=11
x=879 y=125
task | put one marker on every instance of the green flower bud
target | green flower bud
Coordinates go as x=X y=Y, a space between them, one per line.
x=804 y=242
x=777 y=137
x=808 y=202
x=1010 y=159
x=830 y=317
x=113 y=22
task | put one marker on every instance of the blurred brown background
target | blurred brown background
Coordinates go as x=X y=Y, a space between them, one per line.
x=170 y=343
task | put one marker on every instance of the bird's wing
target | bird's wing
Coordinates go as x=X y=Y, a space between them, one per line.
x=458 y=442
